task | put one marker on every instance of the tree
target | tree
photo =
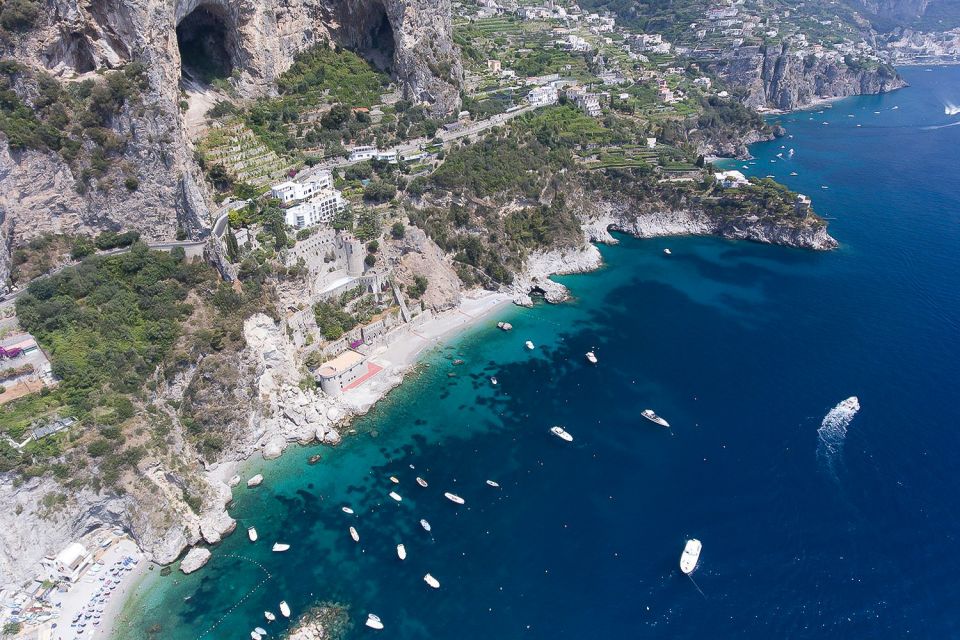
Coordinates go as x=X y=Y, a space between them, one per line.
x=370 y=260
x=373 y=246
x=19 y=15
x=398 y=231
x=82 y=247
x=233 y=249
x=338 y=116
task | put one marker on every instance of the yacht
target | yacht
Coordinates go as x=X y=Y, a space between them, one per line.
x=452 y=497
x=269 y=615
x=495 y=485
x=654 y=418
x=373 y=621
x=667 y=252
x=252 y=534
x=395 y=496
x=529 y=345
x=430 y=580
x=493 y=380
x=284 y=609
x=561 y=433
x=255 y=481
x=506 y=326
x=591 y=357
x=421 y=482
x=425 y=525
x=690 y=556
x=347 y=510
x=401 y=552
x=394 y=480
x=279 y=547
x=354 y=534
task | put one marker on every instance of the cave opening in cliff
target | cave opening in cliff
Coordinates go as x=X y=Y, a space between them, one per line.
x=204 y=42
x=379 y=46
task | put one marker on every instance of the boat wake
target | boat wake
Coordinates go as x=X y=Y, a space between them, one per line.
x=833 y=430
x=951 y=109
x=939 y=126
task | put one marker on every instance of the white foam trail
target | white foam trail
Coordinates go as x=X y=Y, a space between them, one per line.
x=951 y=109
x=940 y=126
x=833 y=430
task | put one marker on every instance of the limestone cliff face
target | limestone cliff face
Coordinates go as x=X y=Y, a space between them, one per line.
x=895 y=10
x=256 y=40
x=783 y=79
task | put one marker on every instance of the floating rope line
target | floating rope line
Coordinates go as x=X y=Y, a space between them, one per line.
x=697 y=586
x=244 y=598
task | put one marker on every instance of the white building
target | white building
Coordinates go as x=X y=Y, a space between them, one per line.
x=318 y=210
x=69 y=563
x=731 y=179
x=543 y=96
x=337 y=374
x=587 y=102
x=290 y=191
x=362 y=153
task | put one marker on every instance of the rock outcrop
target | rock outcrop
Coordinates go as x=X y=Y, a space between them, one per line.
x=195 y=559
x=783 y=79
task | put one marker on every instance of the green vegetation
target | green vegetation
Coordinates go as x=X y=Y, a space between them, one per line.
x=19 y=15
x=331 y=74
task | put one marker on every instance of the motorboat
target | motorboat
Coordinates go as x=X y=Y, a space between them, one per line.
x=667 y=252
x=505 y=326
x=493 y=380
x=654 y=418
x=347 y=510
x=421 y=482
x=284 y=609
x=690 y=556
x=561 y=433
x=395 y=496
x=425 y=525
x=260 y=630
x=591 y=357
x=255 y=481
x=280 y=546
x=401 y=552
x=374 y=622
x=354 y=534
x=495 y=485
x=252 y=534
x=394 y=480
x=430 y=580
x=452 y=497
x=269 y=615
x=314 y=459
x=255 y=636
x=794 y=173
x=529 y=345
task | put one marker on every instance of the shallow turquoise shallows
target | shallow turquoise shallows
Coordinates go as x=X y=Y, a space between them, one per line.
x=744 y=348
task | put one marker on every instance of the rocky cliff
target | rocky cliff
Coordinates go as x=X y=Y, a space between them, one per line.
x=783 y=79
x=250 y=41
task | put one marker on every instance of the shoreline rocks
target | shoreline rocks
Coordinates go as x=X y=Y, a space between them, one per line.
x=195 y=559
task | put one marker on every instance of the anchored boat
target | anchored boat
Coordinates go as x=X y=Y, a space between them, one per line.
x=492 y=483
x=279 y=546
x=529 y=345
x=401 y=552
x=591 y=357
x=374 y=622
x=347 y=510
x=269 y=615
x=430 y=580
x=452 y=497
x=421 y=482
x=284 y=609
x=252 y=534
x=425 y=525
x=561 y=433
x=654 y=418
x=354 y=534
x=395 y=496
x=690 y=556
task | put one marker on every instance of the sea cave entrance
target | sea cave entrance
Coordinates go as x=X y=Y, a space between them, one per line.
x=378 y=43
x=205 y=39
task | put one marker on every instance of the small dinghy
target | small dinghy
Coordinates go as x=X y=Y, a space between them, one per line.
x=395 y=496
x=347 y=510
x=261 y=631
x=452 y=497
x=591 y=357
x=495 y=485
x=430 y=580
x=269 y=615
x=505 y=326
x=284 y=609
x=401 y=552
x=394 y=480
x=373 y=621
x=252 y=534
x=493 y=380
x=354 y=534
x=654 y=418
x=255 y=481
x=561 y=433
x=690 y=556
x=279 y=547
x=667 y=252
x=425 y=525
x=314 y=459
x=529 y=345
x=255 y=636
x=421 y=482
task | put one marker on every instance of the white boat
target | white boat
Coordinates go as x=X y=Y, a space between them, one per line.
x=690 y=556
x=561 y=433
x=421 y=482
x=591 y=357
x=430 y=580
x=234 y=481
x=452 y=497
x=354 y=534
x=269 y=615
x=373 y=621
x=395 y=496
x=260 y=630
x=654 y=418
x=394 y=480
x=506 y=326
x=255 y=636
x=425 y=525
x=495 y=485
x=255 y=481
x=793 y=173
x=493 y=380
x=284 y=609
x=529 y=345
x=252 y=534
x=401 y=552
x=347 y=510
x=279 y=546
x=667 y=252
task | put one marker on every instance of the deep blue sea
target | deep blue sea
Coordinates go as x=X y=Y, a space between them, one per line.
x=744 y=348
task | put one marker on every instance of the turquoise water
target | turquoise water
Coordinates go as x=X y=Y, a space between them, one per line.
x=744 y=348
